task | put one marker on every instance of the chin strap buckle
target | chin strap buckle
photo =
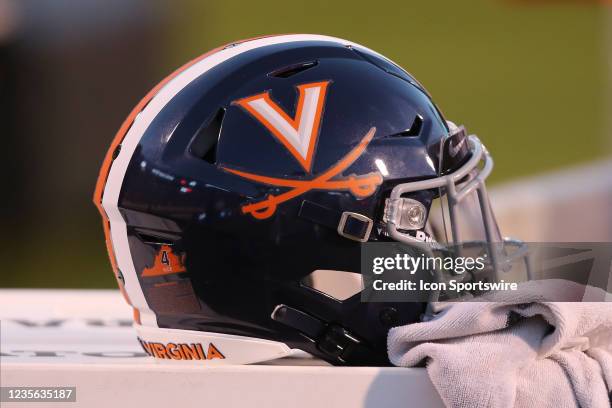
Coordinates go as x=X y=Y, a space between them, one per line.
x=338 y=342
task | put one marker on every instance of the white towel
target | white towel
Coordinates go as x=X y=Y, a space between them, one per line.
x=520 y=351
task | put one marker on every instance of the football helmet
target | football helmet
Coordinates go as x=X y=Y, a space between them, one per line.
x=238 y=193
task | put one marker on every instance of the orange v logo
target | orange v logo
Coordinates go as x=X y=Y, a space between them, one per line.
x=299 y=134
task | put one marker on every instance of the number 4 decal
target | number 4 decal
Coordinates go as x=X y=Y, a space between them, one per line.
x=164 y=258
x=166 y=262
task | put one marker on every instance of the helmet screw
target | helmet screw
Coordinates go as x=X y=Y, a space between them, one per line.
x=116 y=151
x=120 y=277
x=388 y=316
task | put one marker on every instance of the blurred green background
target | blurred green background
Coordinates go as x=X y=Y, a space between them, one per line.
x=531 y=80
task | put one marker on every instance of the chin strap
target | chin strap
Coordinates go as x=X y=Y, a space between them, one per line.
x=351 y=225
x=337 y=343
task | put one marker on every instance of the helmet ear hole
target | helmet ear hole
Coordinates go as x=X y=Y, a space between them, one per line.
x=204 y=143
x=339 y=285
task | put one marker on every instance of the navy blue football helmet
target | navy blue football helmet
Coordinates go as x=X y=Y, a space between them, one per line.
x=237 y=195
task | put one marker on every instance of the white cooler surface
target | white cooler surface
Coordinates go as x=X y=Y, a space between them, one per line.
x=84 y=339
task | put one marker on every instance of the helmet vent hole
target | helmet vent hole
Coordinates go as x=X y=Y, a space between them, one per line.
x=292 y=70
x=414 y=130
x=156 y=237
x=204 y=143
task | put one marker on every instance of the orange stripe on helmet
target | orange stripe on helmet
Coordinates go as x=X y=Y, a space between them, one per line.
x=118 y=139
